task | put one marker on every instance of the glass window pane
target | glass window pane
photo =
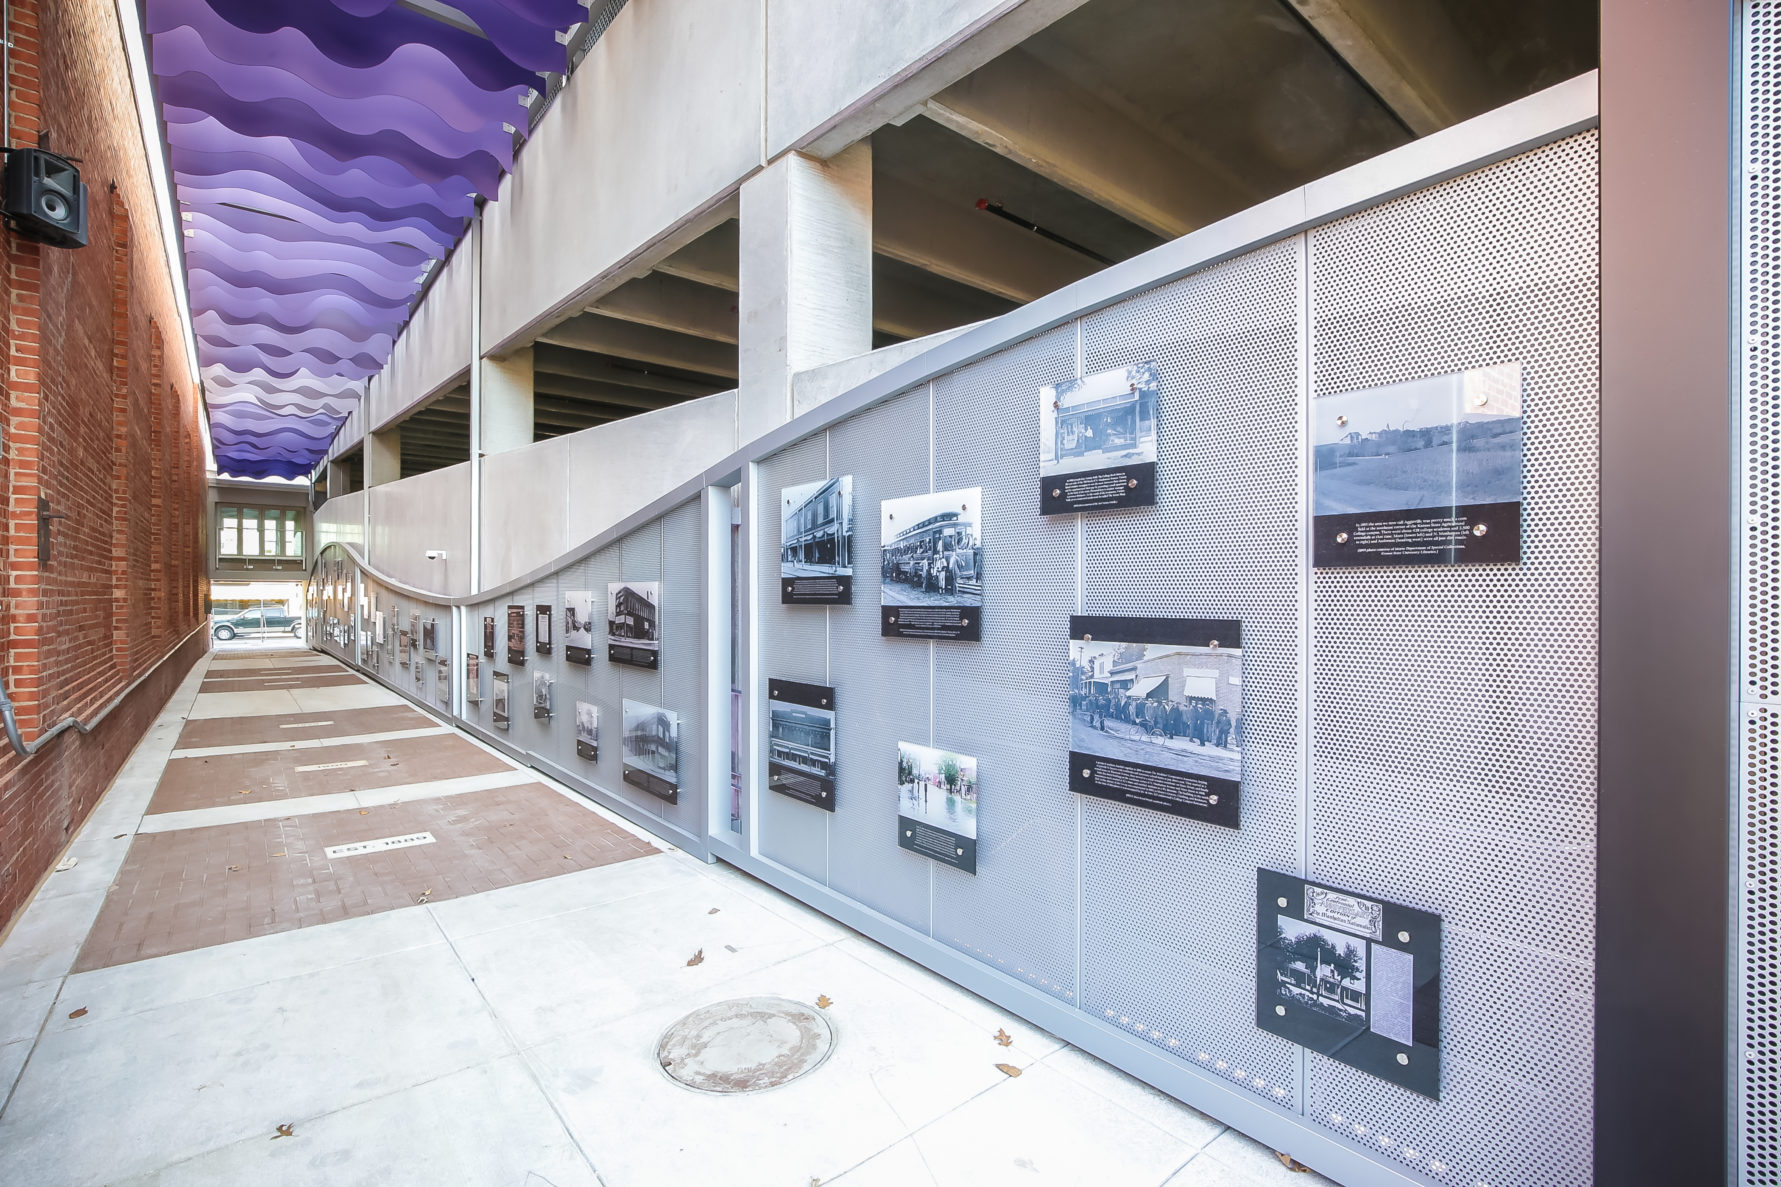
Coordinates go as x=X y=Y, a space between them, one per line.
x=250 y=531
x=230 y=541
x=270 y=527
x=291 y=547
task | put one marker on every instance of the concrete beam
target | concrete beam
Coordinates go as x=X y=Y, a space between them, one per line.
x=647 y=344
x=673 y=303
x=913 y=304
x=968 y=245
x=560 y=360
x=1409 y=53
x=506 y=415
x=383 y=456
x=1034 y=115
x=714 y=258
x=608 y=393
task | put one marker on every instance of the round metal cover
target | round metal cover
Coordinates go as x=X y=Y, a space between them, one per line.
x=746 y=1044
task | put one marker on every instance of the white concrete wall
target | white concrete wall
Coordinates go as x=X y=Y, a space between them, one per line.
x=341 y=520
x=434 y=348
x=851 y=66
x=661 y=121
x=428 y=511
x=540 y=501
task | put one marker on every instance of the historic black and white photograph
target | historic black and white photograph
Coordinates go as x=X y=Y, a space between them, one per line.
x=578 y=626
x=404 y=644
x=430 y=637
x=1359 y=982
x=801 y=742
x=442 y=681
x=377 y=627
x=937 y=805
x=931 y=565
x=1156 y=714
x=652 y=750
x=516 y=634
x=488 y=636
x=1321 y=970
x=541 y=684
x=501 y=715
x=414 y=629
x=472 y=678
x=1425 y=472
x=587 y=731
x=632 y=622
x=816 y=543
x=1097 y=441
x=542 y=616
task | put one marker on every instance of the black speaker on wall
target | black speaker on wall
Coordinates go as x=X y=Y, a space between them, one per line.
x=43 y=198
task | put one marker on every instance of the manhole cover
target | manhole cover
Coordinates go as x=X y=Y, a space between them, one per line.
x=745 y=1045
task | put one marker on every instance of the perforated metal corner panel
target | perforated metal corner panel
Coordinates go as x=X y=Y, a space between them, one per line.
x=1759 y=824
x=1453 y=761
x=1168 y=942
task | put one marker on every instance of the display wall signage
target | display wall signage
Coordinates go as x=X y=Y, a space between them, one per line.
x=587 y=731
x=414 y=629
x=542 y=616
x=488 y=636
x=377 y=626
x=633 y=622
x=404 y=644
x=816 y=543
x=430 y=636
x=652 y=750
x=500 y=707
x=931 y=566
x=516 y=634
x=1097 y=441
x=1354 y=978
x=1156 y=714
x=578 y=626
x=801 y=742
x=472 y=678
x=1420 y=473
x=442 y=682
x=541 y=683
x=937 y=805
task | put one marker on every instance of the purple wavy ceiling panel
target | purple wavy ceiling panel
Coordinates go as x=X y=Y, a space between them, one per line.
x=326 y=154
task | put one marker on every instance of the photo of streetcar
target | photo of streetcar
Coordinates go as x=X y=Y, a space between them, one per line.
x=932 y=553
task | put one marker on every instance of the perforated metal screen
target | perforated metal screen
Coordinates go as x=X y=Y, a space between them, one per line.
x=1423 y=735
x=1759 y=848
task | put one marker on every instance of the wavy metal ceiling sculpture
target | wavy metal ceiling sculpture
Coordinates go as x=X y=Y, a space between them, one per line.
x=325 y=154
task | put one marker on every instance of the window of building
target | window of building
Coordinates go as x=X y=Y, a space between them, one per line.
x=260 y=531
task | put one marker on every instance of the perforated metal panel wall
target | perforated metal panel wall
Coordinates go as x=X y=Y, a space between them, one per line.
x=1759 y=840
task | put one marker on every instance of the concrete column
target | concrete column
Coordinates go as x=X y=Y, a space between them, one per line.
x=506 y=392
x=383 y=456
x=337 y=483
x=806 y=277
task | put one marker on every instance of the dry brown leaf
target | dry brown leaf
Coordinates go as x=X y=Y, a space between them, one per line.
x=233 y=868
x=245 y=791
x=80 y=1013
x=284 y=1131
x=1291 y=1163
x=823 y=1002
x=120 y=836
x=280 y=853
x=1004 y=1038
x=698 y=958
x=713 y=911
x=1007 y=1069
x=364 y=811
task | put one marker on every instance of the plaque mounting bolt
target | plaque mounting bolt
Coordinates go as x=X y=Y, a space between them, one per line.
x=1480 y=529
x=1341 y=537
x=1341 y=422
x=1403 y=937
x=1403 y=1059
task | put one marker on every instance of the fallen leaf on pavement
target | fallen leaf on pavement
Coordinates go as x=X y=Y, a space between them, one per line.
x=1004 y=1038
x=120 y=836
x=279 y=854
x=698 y=958
x=1291 y=1163
x=284 y=1131
x=364 y=811
x=234 y=867
x=80 y=1013
x=245 y=791
x=1007 y=1069
x=713 y=911
x=823 y=1002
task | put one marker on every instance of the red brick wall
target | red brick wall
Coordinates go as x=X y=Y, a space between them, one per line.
x=100 y=416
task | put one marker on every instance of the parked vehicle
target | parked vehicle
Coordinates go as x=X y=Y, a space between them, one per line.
x=256 y=624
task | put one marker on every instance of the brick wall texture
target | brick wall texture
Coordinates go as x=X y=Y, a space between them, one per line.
x=101 y=418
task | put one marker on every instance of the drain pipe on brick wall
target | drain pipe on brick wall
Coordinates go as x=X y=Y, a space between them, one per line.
x=26 y=749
